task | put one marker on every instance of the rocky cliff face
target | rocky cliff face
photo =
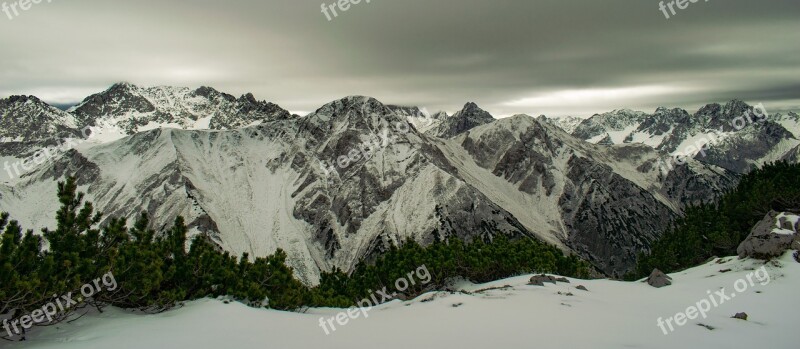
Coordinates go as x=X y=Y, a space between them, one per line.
x=600 y=202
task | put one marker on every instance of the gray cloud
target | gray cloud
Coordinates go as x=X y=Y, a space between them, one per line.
x=553 y=57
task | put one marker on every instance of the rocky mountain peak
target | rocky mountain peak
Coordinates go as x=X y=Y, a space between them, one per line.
x=736 y=108
x=408 y=111
x=128 y=107
x=467 y=118
x=709 y=110
x=353 y=105
x=670 y=111
x=22 y=99
x=354 y=113
x=249 y=98
x=472 y=111
x=123 y=86
x=27 y=118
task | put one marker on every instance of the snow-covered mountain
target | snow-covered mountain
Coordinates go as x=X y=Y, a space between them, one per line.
x=128 y=109
x=606 y=203
x=464 y=120
x=566 y=123
x=609 y=128
x=790 y=121
x=342 y=184
x=28 y=119
x=735 y=136
x=421 y=119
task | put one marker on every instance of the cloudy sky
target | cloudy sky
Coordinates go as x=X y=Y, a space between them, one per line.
x=553 y=57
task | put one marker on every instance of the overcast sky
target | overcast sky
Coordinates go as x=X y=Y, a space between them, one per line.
x=553 y=57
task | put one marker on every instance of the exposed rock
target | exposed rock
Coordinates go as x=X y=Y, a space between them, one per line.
x=130 y=107
x=582 y=288
x=740 y=316
x=568 y=123
x=771 y=237
x=710 y=328
x=739 y=135
x=614 y=121
x=469 y=117
x=658 y=279
x=539 y=280
x=26 y=119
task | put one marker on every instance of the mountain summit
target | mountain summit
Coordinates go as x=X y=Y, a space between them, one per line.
x=132 y=108
x=28 y=119
x=469 y=117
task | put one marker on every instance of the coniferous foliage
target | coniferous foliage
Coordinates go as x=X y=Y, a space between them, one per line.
x=477 y=261
x=717 y=229
x=155 y=271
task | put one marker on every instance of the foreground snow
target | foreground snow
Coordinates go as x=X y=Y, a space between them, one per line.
x=610 y=314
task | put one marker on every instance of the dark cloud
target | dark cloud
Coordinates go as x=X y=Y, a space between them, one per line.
x=555 y=57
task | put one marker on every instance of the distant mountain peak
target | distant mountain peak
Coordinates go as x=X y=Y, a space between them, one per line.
x=130 y=108
x=467 y=118
x=735 y=108
x=566 y=123
x=27 y=118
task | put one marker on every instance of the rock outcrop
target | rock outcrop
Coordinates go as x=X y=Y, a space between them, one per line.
x=772 y=236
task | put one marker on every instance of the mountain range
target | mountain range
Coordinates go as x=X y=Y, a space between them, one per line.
x=346 y=182
x=743 y=135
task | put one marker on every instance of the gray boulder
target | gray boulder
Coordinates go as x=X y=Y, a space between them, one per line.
x=539 y=280
x=771 y=237
x=658 y=279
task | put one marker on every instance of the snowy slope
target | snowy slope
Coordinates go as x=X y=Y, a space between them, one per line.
x=610 y=314
x=420 y=118
x=790 y=121
x=566 y=123
x=616 y=125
